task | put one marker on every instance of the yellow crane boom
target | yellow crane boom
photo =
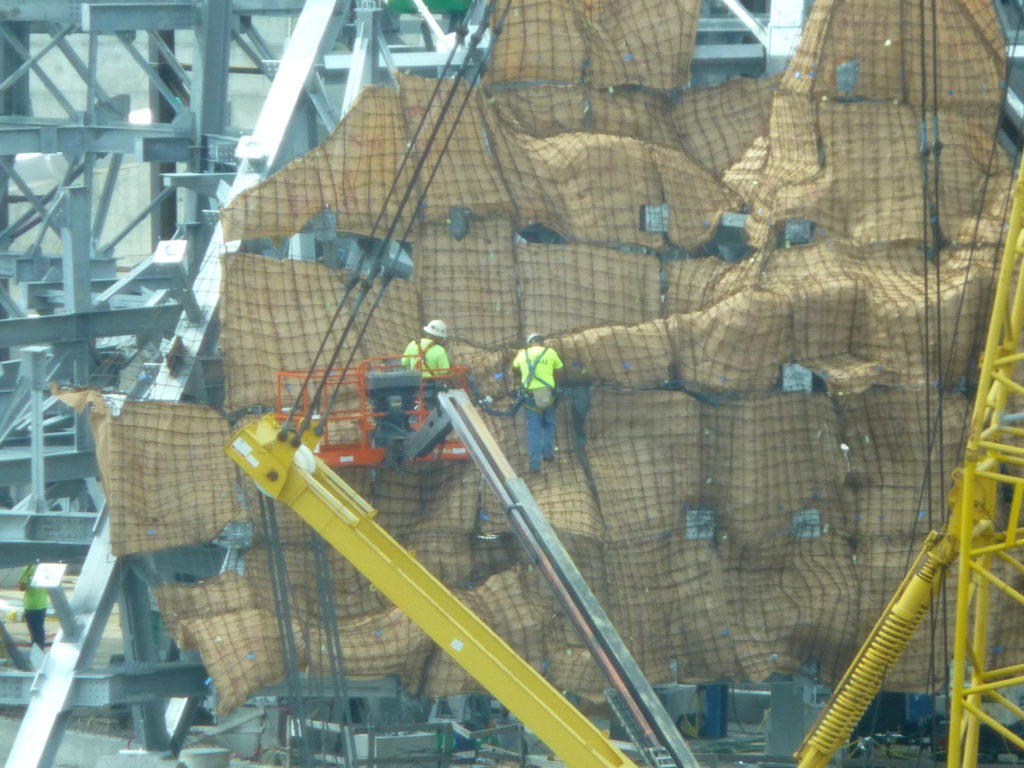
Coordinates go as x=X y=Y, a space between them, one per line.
x=983 y=537
x=294 y=476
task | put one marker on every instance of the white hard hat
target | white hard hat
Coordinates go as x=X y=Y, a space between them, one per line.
x=436 y=328
x=534 y=337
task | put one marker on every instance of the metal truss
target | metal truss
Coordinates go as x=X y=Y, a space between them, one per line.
x=987 y=671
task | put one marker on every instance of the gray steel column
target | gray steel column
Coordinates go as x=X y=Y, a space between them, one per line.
x=164 y=218
x=304 y=136
x=76 y=262
x=14 y=100
x=75 y=233
x=367 y=50
x=33 y=371
x=210 y=107
x=210 y=69
x=140 y=648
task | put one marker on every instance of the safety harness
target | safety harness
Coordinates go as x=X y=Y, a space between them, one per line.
x=421 y=361
x=547 y=393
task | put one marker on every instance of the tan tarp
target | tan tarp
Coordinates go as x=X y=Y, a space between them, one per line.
x=166 y=477
x=729 y=529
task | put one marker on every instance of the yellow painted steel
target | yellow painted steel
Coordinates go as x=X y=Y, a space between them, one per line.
x=887 y=640
x=983 y=536
x=294 y=476
x=987 y=516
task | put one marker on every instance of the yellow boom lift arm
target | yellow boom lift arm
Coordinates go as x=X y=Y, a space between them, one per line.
x=978 y=536
x=296 y=477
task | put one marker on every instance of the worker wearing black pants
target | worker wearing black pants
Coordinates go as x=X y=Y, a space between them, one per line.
x=34 y=603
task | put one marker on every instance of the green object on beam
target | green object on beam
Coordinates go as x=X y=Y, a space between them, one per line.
x=437 y=6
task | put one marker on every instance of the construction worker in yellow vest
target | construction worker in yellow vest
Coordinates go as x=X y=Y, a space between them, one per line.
x=34 y=603
x=538 y=366
x=428 y=355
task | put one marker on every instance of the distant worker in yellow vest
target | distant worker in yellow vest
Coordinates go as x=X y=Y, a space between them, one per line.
x=34 y=602
x=538 y=367
x=428 y=355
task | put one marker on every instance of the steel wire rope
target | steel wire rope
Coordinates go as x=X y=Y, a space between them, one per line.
x=947 y=371
x=354 y=278
x=930 y=227
x=1004 y=96
x=927 y=231
x=327 y=607
x=376 y=268
x=316 y=702
x=442 y=153
x=328 y=614
x=278 y=571
x=935 y=426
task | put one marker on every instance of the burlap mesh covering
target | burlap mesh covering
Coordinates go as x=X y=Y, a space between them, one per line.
x=857 y=173
x=242 y=651
x=643 y=42
x=561 y=181
x=729 y=529
x=227 y=591
x=714 y=126
x=166 y=477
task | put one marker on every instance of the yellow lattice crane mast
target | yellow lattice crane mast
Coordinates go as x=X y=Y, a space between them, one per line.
x=293 y=475
x=983 y=536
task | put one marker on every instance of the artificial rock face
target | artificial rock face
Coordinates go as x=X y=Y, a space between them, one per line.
x=729 y=529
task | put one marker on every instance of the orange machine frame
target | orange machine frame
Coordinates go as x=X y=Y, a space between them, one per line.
x=348 y=430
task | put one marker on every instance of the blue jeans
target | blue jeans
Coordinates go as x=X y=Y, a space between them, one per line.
x=36 y=620
x=540 y=435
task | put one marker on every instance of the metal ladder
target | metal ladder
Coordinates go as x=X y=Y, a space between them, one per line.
x=654 y=756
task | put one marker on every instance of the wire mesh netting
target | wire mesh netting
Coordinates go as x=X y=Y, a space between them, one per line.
x=732 y=521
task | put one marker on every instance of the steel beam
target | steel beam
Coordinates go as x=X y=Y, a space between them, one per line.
x=546 y=550
x=59 y=464
x=87 y=325
x=427 y=62
x=753 y=25
x=123 y=17
x=158 y=142
x=259 y=154
x=124 y=684
x=40 y=73
x=67 y=12
x=43 y=527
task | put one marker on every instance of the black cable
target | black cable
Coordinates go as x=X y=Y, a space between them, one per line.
x=354 y=279
x=936 y=426
x=947 y=373
x=442 y=153
x=329 y=624
x=278 y=570
x=924 y=154
x=382 y=246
